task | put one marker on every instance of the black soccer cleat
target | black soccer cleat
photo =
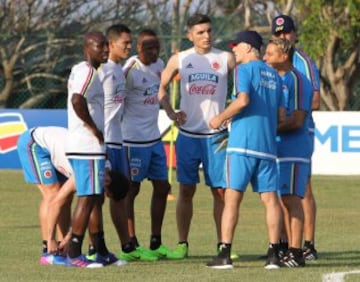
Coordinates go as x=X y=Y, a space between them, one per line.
x=220 y=263
x=293 y=258
x=310 y=253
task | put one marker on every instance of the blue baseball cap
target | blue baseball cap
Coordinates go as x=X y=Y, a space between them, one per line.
x=248 y=36
x=282 y=23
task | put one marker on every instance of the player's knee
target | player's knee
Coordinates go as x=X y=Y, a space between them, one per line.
x=161 y=188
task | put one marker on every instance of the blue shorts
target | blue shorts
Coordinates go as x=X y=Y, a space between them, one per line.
x=242 y=170
x=191 y=152
x=147 y=162
x=117 y=158
x=89 y=176
x=312 y=144
x=36 y=162
x=293 y=178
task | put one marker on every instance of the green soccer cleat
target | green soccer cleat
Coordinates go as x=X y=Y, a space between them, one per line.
x=180 y=252
x=91 y=257
x=161 y=252
x=139 y=254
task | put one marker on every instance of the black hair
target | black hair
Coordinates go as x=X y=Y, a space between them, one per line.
x=147 y=31
x=114 y=31
x=197 y=19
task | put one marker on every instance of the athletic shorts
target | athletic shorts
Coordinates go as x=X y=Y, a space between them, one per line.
x=312 y=144
x=147 y=162
x=193 y=151
x=89 y=176
x=242 y=170
x=36 y=162
x=293 y=177
x=118 y=161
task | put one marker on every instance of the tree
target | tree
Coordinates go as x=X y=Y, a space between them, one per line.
x=40 y=40
x=331 y=33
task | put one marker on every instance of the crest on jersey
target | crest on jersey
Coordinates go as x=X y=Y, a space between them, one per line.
x=134 y=171
x=47 y=173
x=215 y=65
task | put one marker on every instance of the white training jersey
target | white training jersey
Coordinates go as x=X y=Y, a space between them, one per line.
x=203 y=88
x=141 y=107
x=81 y=142
x=53 y=139
x=113 y=81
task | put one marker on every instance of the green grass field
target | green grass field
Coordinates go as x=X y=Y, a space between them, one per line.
x=337 y=237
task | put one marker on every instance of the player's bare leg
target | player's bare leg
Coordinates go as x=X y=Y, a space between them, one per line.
x=230 y=216
x=294 y=256
x=285 y=235
x=309 y=207
x=218 y=208
x=118 y=212
x=80 y=221
x=161 y=190
x=130 y=202
x=273 y=215
x=158 y=205
x=184 y=213
x=184 y=210
x=229 y=219
x=48 y=193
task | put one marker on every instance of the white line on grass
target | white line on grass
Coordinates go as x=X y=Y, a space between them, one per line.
x=338 y=276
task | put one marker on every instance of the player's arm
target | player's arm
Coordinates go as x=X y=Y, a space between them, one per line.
x=316 y=101
x=82 y=111
x=231 y=62
x=171 y=69
x=281 y=115
x=231 y=66
x=235 y=107
x=295 y=121
x=314 y=78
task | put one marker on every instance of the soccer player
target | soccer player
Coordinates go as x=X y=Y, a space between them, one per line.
x=86 y=151
x=251 y=150
x=42 y=155
x=142 y=138
x=114 y=85
x=294 y=144
x=283 y=26
x=204 y=74
x=41 y=167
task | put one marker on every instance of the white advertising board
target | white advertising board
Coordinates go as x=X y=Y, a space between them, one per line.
x=337 y=143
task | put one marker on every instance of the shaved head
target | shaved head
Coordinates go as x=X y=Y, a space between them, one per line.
x=96 y=49
x=91 y=37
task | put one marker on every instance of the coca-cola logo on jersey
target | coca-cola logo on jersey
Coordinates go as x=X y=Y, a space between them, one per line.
x=117 y=99
x=151 y=100
x=207 y=89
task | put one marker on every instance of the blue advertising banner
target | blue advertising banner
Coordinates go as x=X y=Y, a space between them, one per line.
x=337 y=138
x=13 y=122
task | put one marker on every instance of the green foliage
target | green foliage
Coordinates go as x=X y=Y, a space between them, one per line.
x=321 y=18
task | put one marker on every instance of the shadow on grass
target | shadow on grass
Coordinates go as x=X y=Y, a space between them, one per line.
x=326 y=259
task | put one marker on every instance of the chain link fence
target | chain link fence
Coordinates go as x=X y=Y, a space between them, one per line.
x=40 y=78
